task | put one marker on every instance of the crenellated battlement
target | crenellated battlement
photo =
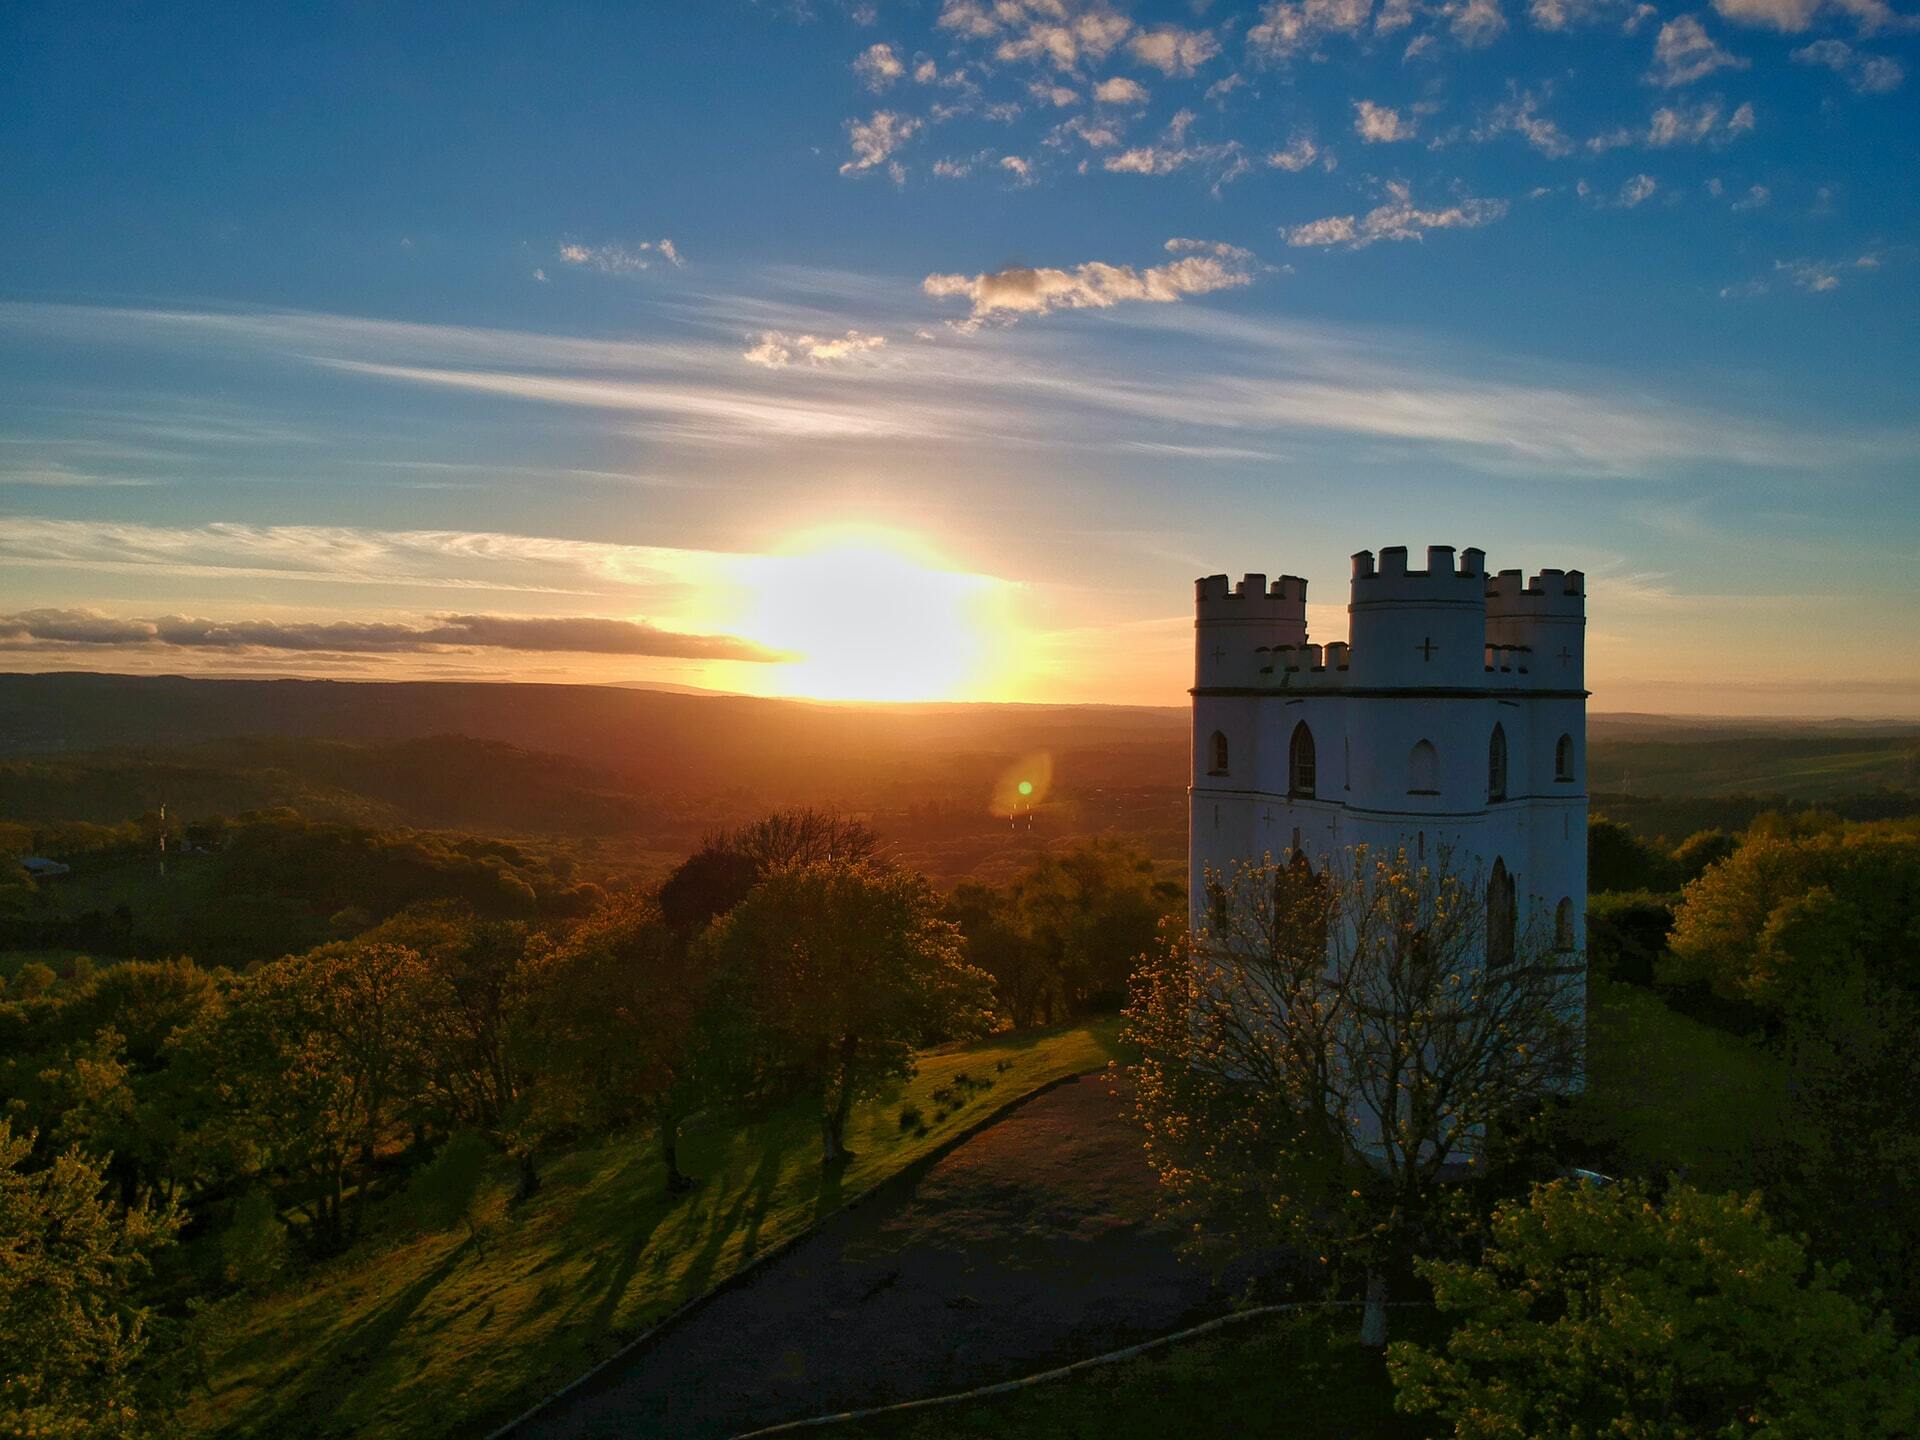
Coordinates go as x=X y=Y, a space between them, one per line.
x=1218 y=597
x=1444 y=581
x=1551 y=592
x=1509 y=659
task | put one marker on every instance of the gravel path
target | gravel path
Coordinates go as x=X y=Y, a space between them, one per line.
x=1031 y=1244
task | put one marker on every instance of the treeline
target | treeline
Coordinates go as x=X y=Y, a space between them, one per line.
x=1801 y=934
x=234 y=891
x=215 y=1127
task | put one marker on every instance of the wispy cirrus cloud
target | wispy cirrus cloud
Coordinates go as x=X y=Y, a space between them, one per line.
x=1251 y=384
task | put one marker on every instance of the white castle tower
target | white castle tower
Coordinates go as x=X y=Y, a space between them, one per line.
x=1452 y=720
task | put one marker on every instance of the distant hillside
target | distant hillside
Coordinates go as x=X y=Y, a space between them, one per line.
x=779 y=749
x=653 y=770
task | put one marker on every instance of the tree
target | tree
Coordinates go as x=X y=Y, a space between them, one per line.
x=1596 y=1311
x=310 y=1062
x=728 y=864
x=1331 y=1049
x=848 y=969
x=622 y=1022
x=76 y=1340
x=1617 y=859
x=446 y=1191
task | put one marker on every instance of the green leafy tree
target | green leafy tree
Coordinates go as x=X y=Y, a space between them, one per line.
x=254 y=1250
x=447 y=1190
x=622 y=1024
x=1595 y=1311
x=848 y=968
x=1330 y=1049
x=1617 y=859
x=76 y=1339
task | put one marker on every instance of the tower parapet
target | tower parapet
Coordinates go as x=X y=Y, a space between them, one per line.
x=1547 y=615
x=1233 y=621
x=1418 y=629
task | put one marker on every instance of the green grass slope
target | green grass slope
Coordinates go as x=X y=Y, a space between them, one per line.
x=432 y=1336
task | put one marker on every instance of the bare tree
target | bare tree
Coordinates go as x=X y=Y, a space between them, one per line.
x=1332 y=1047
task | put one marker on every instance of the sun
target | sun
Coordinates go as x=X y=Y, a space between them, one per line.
x=874 y=614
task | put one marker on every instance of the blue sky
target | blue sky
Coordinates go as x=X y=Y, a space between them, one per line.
x=563 y=341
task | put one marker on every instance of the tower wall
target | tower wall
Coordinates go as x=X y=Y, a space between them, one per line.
x=1440 y=655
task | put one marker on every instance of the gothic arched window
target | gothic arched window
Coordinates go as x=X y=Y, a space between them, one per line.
x=1300 y=768
x=1497 y=765
x=1500 y=915
x=1563 y=924
x=1423 y=770
x=1563 y=758
x=1217 y=754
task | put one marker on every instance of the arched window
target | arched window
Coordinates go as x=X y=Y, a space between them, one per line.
x=1500 y=915
x=1563 y=758
x=1300 y=768
x=1563 y=924
x=1217 y=754
x=1423 y=770
x=1497 y=765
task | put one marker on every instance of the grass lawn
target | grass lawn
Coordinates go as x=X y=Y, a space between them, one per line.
x=430 y=1336
x=1668 y=1093
x=1302 y=1376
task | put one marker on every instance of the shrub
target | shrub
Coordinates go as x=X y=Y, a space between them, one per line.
x=911 y=1119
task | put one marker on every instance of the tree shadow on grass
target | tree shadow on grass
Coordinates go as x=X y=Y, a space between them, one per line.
x=337 y=1370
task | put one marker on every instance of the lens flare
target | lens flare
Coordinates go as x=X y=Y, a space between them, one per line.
x=1022 y=786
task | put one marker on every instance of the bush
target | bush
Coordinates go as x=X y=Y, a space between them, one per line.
x=911 y=1118
x=254 y=1247
x=1626 y=934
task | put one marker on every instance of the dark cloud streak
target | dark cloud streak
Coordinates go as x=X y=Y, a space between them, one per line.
x=583 y=635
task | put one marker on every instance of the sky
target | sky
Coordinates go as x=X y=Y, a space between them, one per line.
x=930 y=350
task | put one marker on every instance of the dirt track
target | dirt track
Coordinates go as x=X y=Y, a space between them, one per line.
x=1030 y=1244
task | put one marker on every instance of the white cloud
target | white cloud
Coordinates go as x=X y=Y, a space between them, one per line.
x=1173 y=51
x=1867 y=74
x=1521 y=116
x=953 y=169
x=1683 y=52
x=1120 y=91
x=1288 y=26
x=1063 y=32
x=1756 y=198
x=874 y=140
x=616 y=259
x=1475 y=22
x=1299 y=154
x=1636 y=189
x=925 y=72
x=1398 y=219
x=774 y=348
x=1061 y=97
x=1822 y=276
x=1202 y=267
x=1380 y=124
x=1225 y=86
x=1694 y=124
x=1018 y=168
x=878 y=67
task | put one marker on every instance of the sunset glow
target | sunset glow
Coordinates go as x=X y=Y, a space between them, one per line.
x=871 y=614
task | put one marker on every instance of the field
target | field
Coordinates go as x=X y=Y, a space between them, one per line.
x=434 y=1335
